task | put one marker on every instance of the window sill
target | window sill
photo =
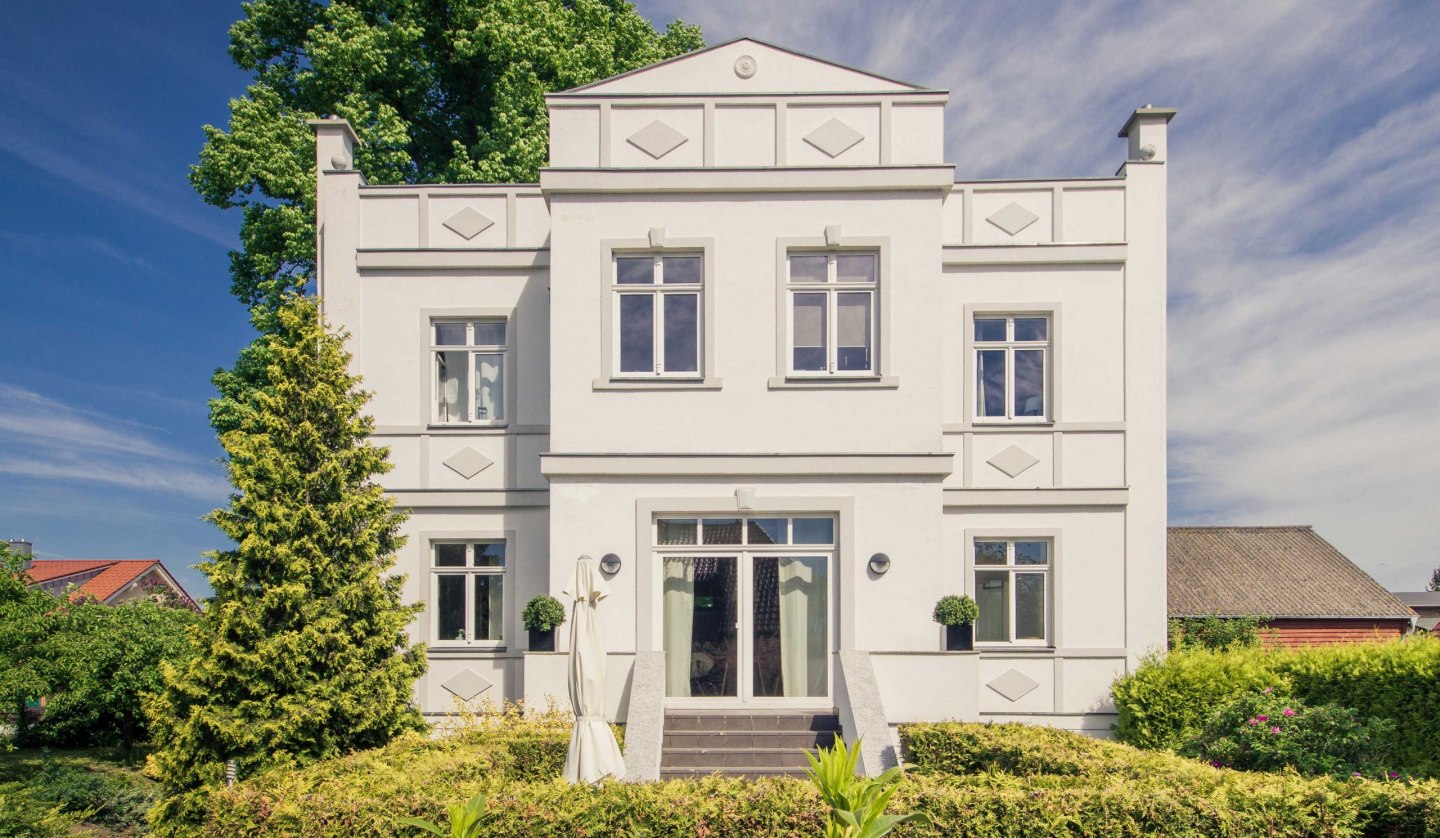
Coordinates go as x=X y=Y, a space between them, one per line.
x=879 y=382
x=656 y=384
x=458 y=428
x=444 y=649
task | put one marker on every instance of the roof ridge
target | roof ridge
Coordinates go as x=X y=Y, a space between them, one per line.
x=1242 y=527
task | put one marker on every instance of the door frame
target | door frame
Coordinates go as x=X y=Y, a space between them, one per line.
x=744 y=557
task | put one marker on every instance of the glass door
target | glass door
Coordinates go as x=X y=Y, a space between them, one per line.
x=701 y=613
x=790 y=627
x=751 y=626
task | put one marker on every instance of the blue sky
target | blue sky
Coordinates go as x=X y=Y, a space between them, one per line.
x=1305 y=240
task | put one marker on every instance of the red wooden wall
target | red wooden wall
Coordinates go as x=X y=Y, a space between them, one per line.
x=1318 y=632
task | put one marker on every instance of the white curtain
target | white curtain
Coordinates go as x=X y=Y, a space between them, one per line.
x=489 y=387
x=679 y=600
x=803 y=626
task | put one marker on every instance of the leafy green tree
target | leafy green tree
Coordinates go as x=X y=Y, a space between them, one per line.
x=302 y=653
x=104 y=659
x=438 y=91
x=28 y=619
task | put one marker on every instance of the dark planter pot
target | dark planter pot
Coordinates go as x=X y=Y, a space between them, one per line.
x=542 y=641
x=960 y=638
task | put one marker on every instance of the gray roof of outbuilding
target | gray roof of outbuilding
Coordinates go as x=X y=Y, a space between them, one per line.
x=1269 y=572
x=1419 y=599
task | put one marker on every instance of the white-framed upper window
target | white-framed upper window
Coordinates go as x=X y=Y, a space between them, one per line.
x=467 y=592
x=657 y=299
x=1012 y=367
x=832 y=320
x=1012 y=584
x=468 y=378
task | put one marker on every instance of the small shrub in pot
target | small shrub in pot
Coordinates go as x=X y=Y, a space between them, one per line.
x=541 y=615
x=957 y=614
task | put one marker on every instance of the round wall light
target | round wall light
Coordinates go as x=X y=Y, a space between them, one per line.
x=879 y=564
x=610 y=563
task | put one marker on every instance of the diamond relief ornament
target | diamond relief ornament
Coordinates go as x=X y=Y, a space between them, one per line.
x=834 y=138
x=1013 y=461
x=657 y=139
x=467 y=223
x=467 y=462
x=466 y=684
x=1014 y=684
x=1012 y=218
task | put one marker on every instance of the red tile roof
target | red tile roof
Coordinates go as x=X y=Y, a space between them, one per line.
x=114 y=576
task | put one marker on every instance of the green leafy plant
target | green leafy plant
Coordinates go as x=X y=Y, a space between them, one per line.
x=465 y=819
x=1216 y=633
x=1269 y=730
x=956 y=610
x=857 y=804
x=543 y=613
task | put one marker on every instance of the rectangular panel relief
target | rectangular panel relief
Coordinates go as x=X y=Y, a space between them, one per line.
x=651 y=137
x=1012 y=216
x=469 y=462
x=532 y=221
x=745 y=135
x=390 y=221
x=1094 y=459
x=1012 y=461
x=575 y=137
x=465 y=221
x=917 y=134
x=832 y=135
x=1094 y=215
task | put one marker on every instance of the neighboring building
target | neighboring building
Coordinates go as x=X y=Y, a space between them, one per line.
x=746 y=335
x=111 y=581
x=1306 y=590
x=1425 y=604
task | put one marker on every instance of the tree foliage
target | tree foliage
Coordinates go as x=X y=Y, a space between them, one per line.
x=27 y=621
x=303 y=652
x=442 y=91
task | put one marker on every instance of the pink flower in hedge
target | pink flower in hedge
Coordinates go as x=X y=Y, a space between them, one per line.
x=1263 y=718
x=1214 y=763
x=1288 y=712
x=1268 y=690
x=1274 y=730
x=1394 y=775
x=1254 y=722
x=1355 y=775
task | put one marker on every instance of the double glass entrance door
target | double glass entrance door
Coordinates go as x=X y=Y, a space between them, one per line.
x=747 y=626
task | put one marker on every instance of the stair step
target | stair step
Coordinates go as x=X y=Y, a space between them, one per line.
x=752 y=722
x=744 y=774
x=729 y=739
x=731 y=759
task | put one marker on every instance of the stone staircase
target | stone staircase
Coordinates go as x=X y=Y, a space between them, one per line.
x=750 y=743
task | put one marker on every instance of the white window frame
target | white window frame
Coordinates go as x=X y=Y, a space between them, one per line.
x=1012 y=569
x=472 y=349
x=468 y=571
x=832 y=287
x=658 y=290
x=1009 y=345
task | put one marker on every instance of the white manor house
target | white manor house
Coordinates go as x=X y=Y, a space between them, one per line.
x=752 y=346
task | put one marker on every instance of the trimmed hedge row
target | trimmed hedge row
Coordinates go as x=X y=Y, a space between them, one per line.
x=1167 y=700
x=973 y=780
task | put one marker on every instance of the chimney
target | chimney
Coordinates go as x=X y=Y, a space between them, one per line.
x=21 y=547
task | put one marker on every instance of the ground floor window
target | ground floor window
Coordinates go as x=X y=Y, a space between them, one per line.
x=468 y=591
x=1012 y=580
x=746 y=606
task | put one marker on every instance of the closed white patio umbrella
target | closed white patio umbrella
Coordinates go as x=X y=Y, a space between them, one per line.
x=594 y=754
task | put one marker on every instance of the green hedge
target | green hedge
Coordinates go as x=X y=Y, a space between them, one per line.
x=974 y=780
x=1166 y=701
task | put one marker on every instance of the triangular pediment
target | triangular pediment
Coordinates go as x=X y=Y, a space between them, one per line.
x=744 y=66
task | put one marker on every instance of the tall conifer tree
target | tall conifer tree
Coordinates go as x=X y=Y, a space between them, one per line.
x=303 y=652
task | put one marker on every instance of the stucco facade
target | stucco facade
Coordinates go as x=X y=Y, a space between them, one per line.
x=989 y=371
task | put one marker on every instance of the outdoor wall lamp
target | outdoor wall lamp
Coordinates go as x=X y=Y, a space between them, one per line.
x=879 y=564
x=610 y=563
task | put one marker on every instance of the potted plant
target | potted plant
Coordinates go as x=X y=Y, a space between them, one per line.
x=957 y=614
x=541 y=615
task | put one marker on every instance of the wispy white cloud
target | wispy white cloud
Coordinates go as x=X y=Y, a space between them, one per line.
x=1305 y=188
x=45 y=439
